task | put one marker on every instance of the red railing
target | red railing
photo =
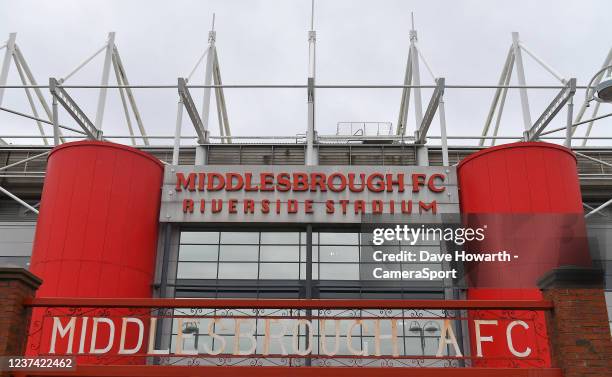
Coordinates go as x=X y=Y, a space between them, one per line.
x=288 y=303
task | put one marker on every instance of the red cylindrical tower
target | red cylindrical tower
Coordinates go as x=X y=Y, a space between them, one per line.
x=96 y=234
x=527 y=196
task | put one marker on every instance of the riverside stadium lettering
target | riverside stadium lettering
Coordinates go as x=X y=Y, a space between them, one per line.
x=304 y=193
x=128 y=336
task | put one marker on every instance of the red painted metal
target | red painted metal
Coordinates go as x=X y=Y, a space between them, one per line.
x=528 y=195
x=96 y=234
x=97 y=230
x=287 y=303
x=523 y=177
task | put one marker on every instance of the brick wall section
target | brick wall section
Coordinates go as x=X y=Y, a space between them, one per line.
x=578 y=327
x=16 y=284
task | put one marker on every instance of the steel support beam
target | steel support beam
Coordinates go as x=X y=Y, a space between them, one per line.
x=570 y=117
x=502 y=102
x=55 y=117
x=443 y=137
x=405 y=102
x=126 y=112
x=120 y=71
x=74 y=110
x=500 y=95
x=208 y=77
x=553 y=108
x=598 y=209
x=416 y=78
x=177 y=133
x=420 y=135
x=6 y=61
x=224 y=127
x=520 y=72
x=311 y=154
x=22 y=77
x=42 y=120
x=104 y=82
x=30 y=76
x=24 y=160
x=18 y=200
x=192 y=111
x=585 y=103
x=4 y=69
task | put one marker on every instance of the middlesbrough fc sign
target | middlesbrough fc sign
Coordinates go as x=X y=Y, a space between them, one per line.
x=305 y=193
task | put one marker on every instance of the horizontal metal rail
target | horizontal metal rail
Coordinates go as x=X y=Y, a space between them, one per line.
x=18 y=200
x=593 y=159
x=40 y=120
x=24 y=160
x=288 y=303
x=577 y=124
x=320 y=137
x=293 y=86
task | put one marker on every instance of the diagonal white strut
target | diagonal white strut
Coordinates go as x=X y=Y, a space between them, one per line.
x=104 y=82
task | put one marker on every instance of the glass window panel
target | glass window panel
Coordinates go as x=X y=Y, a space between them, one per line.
x=190 y=270
x=368 y=239
x=198 y=252
x=339 y=238
x=278 y=271
x=343 y=325
x=200 y=237
x=244 y=345
x=339 y=271
x=280 y=238
x=200 y=324
x=330 y=344
x=237 y=270
x=413 y=345
x=431 y=346
x=339 y=253
x=285 y=253
x=315 y=238
x=238 y=253
x=386 y=346
x=220 y=346
x=315 y=253
x=225 y=326
x=276 y=325
x=355 y=344
x=275 y=347
x=204 y=340
x=240 y=238
x=188 y=343
x=385 y=323
x=315 y=271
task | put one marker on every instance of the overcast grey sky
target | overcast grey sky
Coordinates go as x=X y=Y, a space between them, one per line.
x=265 y=42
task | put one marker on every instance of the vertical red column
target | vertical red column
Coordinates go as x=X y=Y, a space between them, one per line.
x=527 y=196
x=96 y=234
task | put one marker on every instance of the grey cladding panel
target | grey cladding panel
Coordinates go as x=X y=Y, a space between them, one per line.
x=16 y=243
